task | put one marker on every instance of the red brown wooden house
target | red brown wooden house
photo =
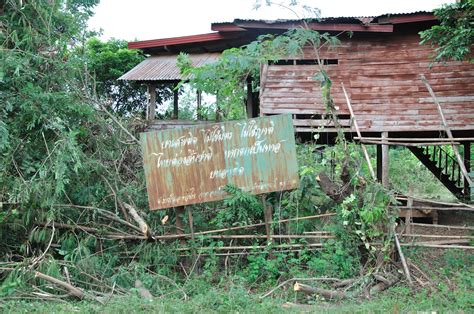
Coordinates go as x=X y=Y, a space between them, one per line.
x=380 y=67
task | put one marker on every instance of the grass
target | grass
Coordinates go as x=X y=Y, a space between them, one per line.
x=398 y=298
x=450 y=270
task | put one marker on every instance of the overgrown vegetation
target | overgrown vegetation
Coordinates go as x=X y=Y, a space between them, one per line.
x=454 y=36
x=70 y=167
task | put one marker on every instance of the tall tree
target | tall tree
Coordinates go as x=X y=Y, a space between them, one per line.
x=57 y=145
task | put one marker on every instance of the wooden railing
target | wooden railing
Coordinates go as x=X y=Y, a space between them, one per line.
x=446 y=162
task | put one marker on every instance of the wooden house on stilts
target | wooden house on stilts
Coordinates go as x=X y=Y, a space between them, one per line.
x=381 y=67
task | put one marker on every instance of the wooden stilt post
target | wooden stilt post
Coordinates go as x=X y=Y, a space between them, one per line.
x=150 y=113
x=408 y=213
x=218 y=108
x=175 y=102
x=379 y=162
x=191 y=228
x=191 y=223
x=198 y=104
x=268 y=216
x=179 y=220
x=467 y=164
x=385 y=161
x=249 y=102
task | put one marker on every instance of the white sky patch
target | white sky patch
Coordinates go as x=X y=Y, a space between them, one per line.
x=152 y=19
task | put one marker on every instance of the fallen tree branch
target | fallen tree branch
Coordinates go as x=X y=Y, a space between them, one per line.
x=38 y=259
x=297 y=279
x=336 y=192
x=68 y=226
x=345 y=282
x=76 y=292
x=339 y=295
x=383 y=285
x=402 y=259
x=418 y=269
x=103 y=212
x=139 y=220
x=328 y=294
x=120 y=125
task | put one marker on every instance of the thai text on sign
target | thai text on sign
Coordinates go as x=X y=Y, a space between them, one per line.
x=194 y=164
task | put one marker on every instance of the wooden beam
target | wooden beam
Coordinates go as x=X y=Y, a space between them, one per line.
x=316 y=26
x=218 y=108
x=385 y=161
x=200 y=38
x=419 y=139
x=191 y=222
x=179 y=220
x=175 y=102
x=198 y=104
x=151 y=101
x=249 y=101
x=364 y=149
x=268 y=215
x=420 y=17
x=379 y=162
x=467 y=164
x=392 y=143
x=448 y=130
x=406 y=270
x=409 y=213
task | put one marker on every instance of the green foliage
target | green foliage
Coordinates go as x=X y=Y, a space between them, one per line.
x=63 y=161
x=454 y=36
x=55 y=146
x=43 y=117
x=241 y=208
x=109 y=60
x=227 y=78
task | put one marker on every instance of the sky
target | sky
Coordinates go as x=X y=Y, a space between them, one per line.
x=152 y=19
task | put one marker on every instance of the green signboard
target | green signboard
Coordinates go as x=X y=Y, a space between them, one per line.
x=194 y=164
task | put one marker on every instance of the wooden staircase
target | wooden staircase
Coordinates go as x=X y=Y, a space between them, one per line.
x=444 y=166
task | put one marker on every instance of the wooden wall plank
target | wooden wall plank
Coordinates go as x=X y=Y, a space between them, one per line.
x=382 y=77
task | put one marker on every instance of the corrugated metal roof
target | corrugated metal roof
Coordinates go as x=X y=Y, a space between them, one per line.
x=164 y=68
x=324 y=20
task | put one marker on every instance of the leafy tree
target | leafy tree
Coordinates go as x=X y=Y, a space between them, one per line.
x=56 y=147
x=454 y=36
x=107 y=61
x=44 y=112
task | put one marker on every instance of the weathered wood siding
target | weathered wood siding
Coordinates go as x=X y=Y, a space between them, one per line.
x=382 y=77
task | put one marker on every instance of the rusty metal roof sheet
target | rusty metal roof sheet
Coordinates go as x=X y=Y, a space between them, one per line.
x=164 y=68
x=326 y=20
